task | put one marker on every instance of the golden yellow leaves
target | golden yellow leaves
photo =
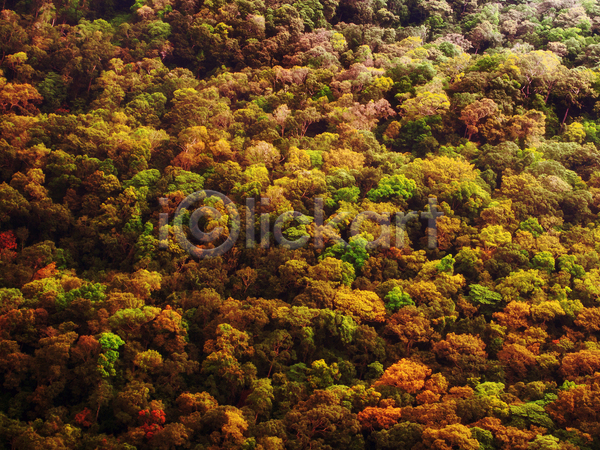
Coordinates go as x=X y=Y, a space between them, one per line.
x=425 y=104
x=362 y=306
x=344 y=158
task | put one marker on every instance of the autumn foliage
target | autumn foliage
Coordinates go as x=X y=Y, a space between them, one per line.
x=473 y=126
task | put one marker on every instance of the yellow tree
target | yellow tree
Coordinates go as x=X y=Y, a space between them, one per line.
x=546 y=311
x=537 y=70
x=495 y=236
x=363 y=306
x=522 y=284
x=589 y=319
x=343 y=158
x=527 y=127
x=454 y=67
x=19 y=98
x=451 y=180
x=448 y=437
x=425 y=104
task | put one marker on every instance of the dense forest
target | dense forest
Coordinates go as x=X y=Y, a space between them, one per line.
x=115 y=336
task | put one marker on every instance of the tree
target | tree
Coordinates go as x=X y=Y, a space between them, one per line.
x=455 y=435
x=547 y=311
x=528 y=128
x=406 y=374
x=362 y=306
x=475 y=112
x=13 y=203
x=589 y=319
x=343 y=158
x=577 y=405
x=15 y=364
x=540 y=69
x=516 y=359
x=522 y=284
x=584 y=362
x=495 y=236
x=401 y=435
x=397 y=299
x=485 y=34
x=464 y=351
x=106 y=362
x=18 y=98
x=261 y=398
x=515 y=315
x=410 y=326
x=530 y=198
x=456 y=348
x=391 y=187
x=224 y=353
x=425 y=104
x=321 y=420
x=226 y=425
x=379 y=418
x=481 y=295
x=572 y=86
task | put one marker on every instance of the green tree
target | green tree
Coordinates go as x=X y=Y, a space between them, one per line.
x=106 y=361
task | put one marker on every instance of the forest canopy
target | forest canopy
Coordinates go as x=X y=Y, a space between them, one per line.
x=474 y=124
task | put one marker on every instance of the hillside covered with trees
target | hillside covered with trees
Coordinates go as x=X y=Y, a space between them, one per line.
x=113 y=336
